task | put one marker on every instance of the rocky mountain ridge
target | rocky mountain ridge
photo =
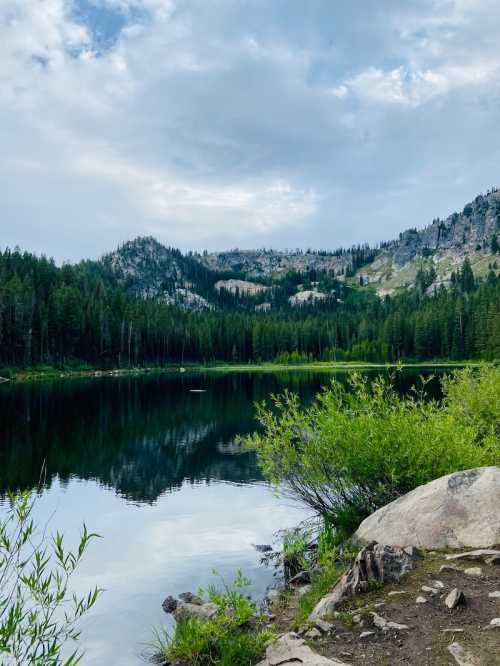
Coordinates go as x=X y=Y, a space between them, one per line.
x=195 y=281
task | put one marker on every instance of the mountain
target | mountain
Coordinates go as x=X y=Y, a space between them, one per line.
x=147 y=268
x=272 y=263
x=440 y=248
x=267 y=278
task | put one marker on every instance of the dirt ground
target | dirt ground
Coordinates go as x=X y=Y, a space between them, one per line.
x=431 y=626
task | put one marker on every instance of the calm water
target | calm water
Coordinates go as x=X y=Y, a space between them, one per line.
x=152 y=467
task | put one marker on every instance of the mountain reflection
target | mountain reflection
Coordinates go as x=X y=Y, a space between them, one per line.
x=141 y=436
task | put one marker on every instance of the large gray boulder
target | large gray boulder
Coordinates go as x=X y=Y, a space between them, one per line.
x=461 y=510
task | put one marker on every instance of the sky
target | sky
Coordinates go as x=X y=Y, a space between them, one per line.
x=242 y=123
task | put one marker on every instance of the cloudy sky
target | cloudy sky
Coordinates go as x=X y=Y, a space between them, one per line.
x=242 y=123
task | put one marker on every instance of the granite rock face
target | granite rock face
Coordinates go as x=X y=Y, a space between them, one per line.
x=456 y=511
x=148 y=269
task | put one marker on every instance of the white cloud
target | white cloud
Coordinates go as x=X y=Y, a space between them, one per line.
x=413 y=88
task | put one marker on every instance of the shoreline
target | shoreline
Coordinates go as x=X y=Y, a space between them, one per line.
x=54 y=374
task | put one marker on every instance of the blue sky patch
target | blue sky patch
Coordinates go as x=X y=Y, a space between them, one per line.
x=103 y=22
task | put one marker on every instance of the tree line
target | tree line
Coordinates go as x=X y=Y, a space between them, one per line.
x=78 y=313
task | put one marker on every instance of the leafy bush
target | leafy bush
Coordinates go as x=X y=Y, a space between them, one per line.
x=474 y=398
x=359 y=447
x=235 y=636
x=38 y=615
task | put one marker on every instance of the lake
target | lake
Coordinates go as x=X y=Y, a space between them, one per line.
x=151 y=464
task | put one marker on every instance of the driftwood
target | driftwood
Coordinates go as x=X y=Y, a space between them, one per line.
x=375 y=564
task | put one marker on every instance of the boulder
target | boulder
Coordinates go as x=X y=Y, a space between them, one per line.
x=456 y=511
x=291 y=650
x=189 y=605
x=185 y=610
x=374 y=563
x=191 y=598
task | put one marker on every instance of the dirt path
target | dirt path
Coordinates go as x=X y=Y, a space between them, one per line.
x=432 y=627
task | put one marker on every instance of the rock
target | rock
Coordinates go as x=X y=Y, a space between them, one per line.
x=366 y=634
x=473 y=571
x=302 y=578
x=448 y=568
x=169 y=604
x=462 y=657
x=189 y=605
x=356 y=618
x=262 y=547
x=385 y=625
x=495 y=623
x=438 y=584
x=455 y=598
x=430 y=590
x=396 y=593
x=326 y=605
x=324 y=626
x=494 y=595
x=396 y=626
x=190 y=598
x=313 y=634
x=374 y=563
x=421 y=600
x=453 y=631
x=456 y=511
x=291 y=649
x=480 y=554
x=185 y=610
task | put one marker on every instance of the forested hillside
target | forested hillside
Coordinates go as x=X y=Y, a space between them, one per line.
x=431 y=294
x=55 y=315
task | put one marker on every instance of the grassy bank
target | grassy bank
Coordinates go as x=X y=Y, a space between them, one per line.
x=329 y=366
x=49 y=372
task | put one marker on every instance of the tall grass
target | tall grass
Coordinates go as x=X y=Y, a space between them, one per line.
x=235 y=636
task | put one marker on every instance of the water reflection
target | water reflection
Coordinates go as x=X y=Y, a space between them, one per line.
x=140 y=436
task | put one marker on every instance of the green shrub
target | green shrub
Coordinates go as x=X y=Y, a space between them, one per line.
x=473 y=397
x=38 y=614
x=359 y=447
x=235 y=636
